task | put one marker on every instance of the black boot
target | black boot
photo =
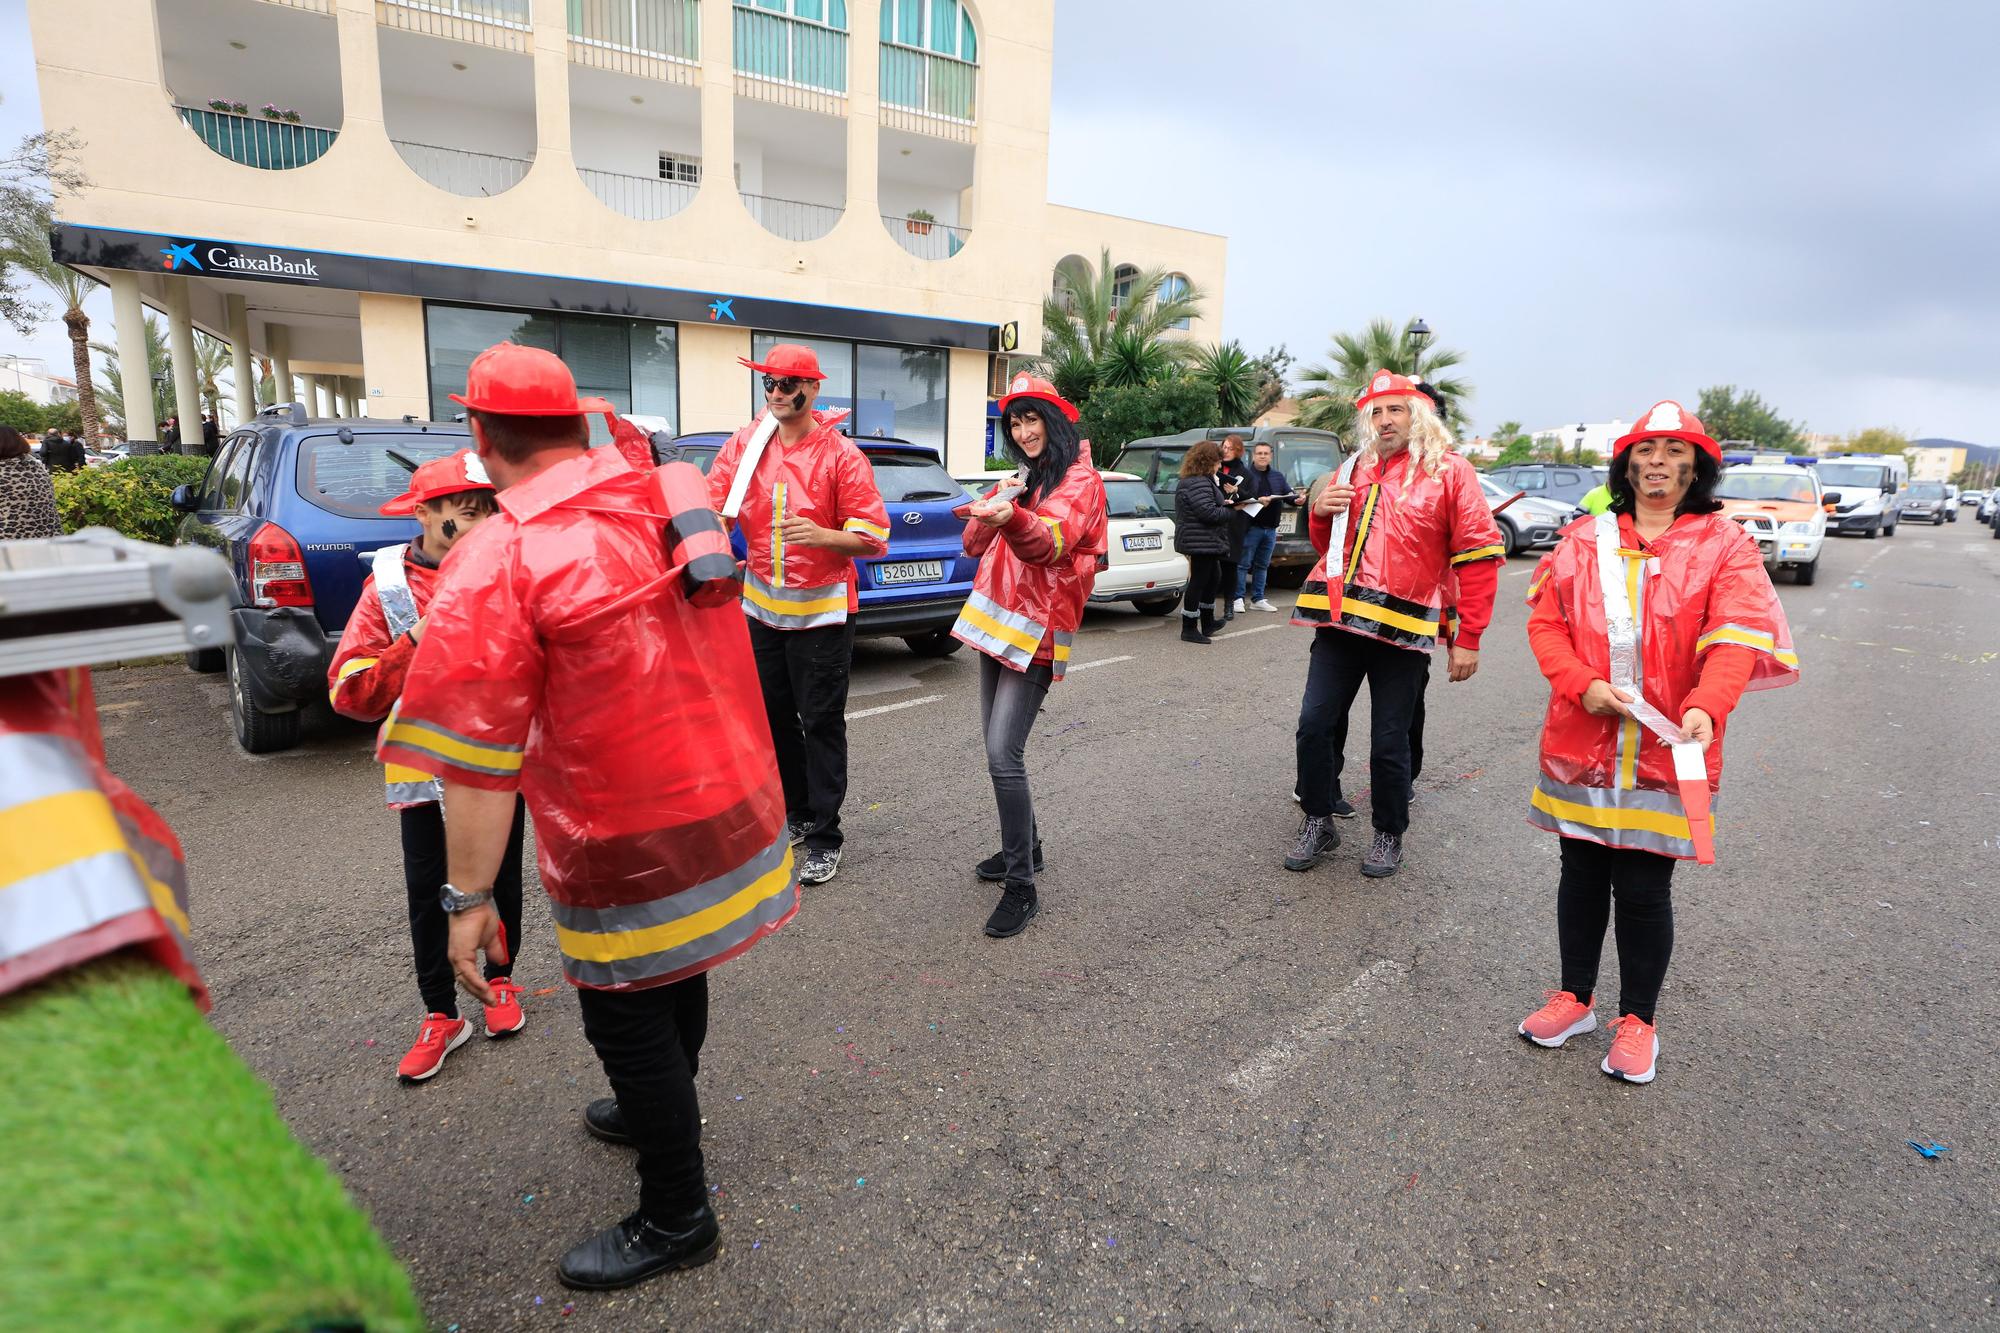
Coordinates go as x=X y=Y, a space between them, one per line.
x=994 y=868
x=1209 y=623
x=603 y=1118
x=1016 y=908
x=1191 y=632
x=637 y=1248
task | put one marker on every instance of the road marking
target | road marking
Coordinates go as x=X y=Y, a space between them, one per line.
x=1134 y=629
x=1239 y=633
x=1270 y=1066
x=890 y=708
x=1097 y=662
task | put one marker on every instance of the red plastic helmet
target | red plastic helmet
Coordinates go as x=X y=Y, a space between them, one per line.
x=788 y=361
x=1667 y=419
x=1388 y=384
x=1025 y=385
x=457 y=472
x=508 y=379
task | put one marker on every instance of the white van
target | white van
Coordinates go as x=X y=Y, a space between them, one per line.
x=1865 y=487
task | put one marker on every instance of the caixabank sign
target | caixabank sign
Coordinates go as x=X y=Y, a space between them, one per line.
x=238 y=261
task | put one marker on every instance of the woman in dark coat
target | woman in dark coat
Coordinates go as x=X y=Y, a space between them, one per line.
x=1201 y=533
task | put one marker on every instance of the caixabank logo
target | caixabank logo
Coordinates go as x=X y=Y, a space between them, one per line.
x=237 y=260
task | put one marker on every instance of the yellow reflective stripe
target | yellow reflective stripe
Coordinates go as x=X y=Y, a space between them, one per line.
x=752 y=593
x=1005 y=633
x=862 y=525
x=778 y=534
x=46 y=834
x=611 y=946
x=1737 y=634
x=1312 y=601
x=354 y=664
x=1643 y=821
x=420 y=737
x=398 y=773
x=1361 y=536
x=1628 y=732
x=1055 y=531
x=1061 y=652
x=1383 y=615
x=1535 y=586
x=1481 y=553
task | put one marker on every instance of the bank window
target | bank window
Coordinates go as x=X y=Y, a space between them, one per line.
x=633 y=363
x=680 y=168
x=888 y=391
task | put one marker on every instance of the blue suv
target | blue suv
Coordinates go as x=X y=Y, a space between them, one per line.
x=291 y=504
x=913 y=592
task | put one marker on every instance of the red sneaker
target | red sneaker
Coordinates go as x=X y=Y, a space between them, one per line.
x=440 y=1037
x=1635 y=1051
x=504 y=1015
x=1563 y=1017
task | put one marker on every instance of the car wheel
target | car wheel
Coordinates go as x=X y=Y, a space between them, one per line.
x=1510 y=535
x=938 y=643
x=257 y=731
x=1804 y=574
x=207 y=661
x=1888 y=529
x=1873 y=532
x=1155 y=606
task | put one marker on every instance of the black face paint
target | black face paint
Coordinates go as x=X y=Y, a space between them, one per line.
x=449 y=528
x=799 y=401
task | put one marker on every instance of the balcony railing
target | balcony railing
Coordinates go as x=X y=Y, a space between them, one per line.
x=792 y=219
x=506 y=24
x=310 y=6
x=652 y=39
x=643 y=197
x=927 y=240
x=940 y=87
x=461 y=171
x=792 y=61
x=274 y=145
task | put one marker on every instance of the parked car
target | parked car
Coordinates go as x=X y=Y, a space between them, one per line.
x=292 y=503
x=1140 y=564
x=1564 y=482
x=1923 y=502
x=1972 y=500
x=913 y=592
x=1784 y=508
x=1867 y=486
x=1302 y=455
x=1531 y=523
x=1988 y=505
x=1950 y=503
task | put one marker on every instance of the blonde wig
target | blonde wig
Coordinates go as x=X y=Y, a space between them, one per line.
x=1429 y=442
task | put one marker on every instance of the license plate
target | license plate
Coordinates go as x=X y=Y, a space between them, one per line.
x=1144 y=541
x=914 y=571
x=1288 y=522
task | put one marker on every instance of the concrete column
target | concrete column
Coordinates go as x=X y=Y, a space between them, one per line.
x=864 y=109
x=128 y=316
x=310 y=395
x=394 y=362
x=238 y=311
x=718 y=106
x=281 y=362
x=180 y=345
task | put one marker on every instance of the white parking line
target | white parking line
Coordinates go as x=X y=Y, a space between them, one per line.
x=1101 y=661
x=890 y=708
x=1270 y=1066
x=1239 y=633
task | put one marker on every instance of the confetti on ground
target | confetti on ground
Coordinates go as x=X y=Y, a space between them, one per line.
x=756 y=1244
x=1111 y=1242
x=547 y=990
x=1930 y=1148
x=527 y=1198
x=859 y=1181
x=369 y=1042
x=569 y=1308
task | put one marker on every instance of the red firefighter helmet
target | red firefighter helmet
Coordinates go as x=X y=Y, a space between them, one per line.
x=508 y=379
x=1667 y=419
x=1034 y=387
x=788 y=361
x=461 y=471
x=1388 y=384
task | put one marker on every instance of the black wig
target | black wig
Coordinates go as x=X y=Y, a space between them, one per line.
x=1058 y=455
x=1700 y=498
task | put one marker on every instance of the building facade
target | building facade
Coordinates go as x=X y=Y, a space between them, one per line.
x=1934 y=463
x=367 y=192
x=30 y=375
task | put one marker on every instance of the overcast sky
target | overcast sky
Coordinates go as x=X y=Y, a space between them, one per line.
x=1600 y=204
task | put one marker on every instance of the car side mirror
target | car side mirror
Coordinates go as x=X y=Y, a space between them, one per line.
x=1830 y=499
x=183 y=499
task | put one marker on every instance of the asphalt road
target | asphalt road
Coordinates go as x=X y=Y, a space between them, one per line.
x=1201 y=1092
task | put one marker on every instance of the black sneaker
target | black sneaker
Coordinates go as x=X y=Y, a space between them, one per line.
x=603 y=1118
x=994 y=868
x=637 y=1248
x=1385 y=855
x=1016 y=908
x=819 y=865
x=1317 y=837
x=1342 y=810
x=796 y=830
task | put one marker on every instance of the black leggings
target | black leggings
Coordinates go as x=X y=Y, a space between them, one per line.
x=430 y=928
x=1592 y=876
x=1204 y=576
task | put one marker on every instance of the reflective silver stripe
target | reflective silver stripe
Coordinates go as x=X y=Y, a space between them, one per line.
x=1605 y=798
x=1335 y=560
x=392 y=589
x=766 y=913
x=414 y=793
x=69 y=900
x=643 y=916
x=37 y=765
x=832 y=600
x=1006 y=649
x=1059 y=663
x=977 y=636
x=1610 y=800
x=1621 y=620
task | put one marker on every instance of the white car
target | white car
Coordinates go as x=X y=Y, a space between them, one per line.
x=1783 y=507
x=1531 y=523
x=1140 y=564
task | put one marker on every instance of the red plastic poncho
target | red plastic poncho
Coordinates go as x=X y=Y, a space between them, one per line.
x=86 y=867
x=1027 y=598
x=1699 y=595
x=557 y=661
x=1407 y=533
x=373 y=658
x=823 y=477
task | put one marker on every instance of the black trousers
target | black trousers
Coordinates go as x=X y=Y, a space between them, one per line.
x=1416 y=739
x=1395 y=677
x=430 y=929
x=1204 y=577
x=1593 y=877
x=804 y=675
x=649 y=1042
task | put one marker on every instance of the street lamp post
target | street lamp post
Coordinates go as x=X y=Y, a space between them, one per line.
x=1415 y=337
x=1581 y=431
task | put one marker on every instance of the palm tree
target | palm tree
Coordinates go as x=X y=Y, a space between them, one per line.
x=1382 y=346
x=110 y=390
x=212 y=359
x=28 y=246
x=1234 y=377
x=1092 y=331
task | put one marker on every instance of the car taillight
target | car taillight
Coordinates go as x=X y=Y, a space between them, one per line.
x=278 y=569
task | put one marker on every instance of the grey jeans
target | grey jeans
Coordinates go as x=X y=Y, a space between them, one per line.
x=1009 y=700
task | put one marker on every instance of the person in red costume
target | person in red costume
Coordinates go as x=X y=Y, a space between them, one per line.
x=1654 y=617
x=809 y=507
x=448 y=497
x=1400 y=519
x=1037 y=538
x=584 y=648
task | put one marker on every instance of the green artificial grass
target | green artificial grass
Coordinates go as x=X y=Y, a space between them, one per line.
x=146 y=1181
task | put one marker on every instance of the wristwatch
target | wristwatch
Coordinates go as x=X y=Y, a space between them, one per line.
x=454 y=899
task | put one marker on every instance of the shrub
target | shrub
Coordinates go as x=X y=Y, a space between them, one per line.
x=1118 y=414
x=21 y=412
x=130 y=496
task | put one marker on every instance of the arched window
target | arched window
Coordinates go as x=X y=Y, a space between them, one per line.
x=1122 y=279
x=1174 y=288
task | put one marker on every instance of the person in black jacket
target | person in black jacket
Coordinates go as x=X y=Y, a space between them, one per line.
x=1201 y=533
x=1234 y=479
x=1266 y=487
